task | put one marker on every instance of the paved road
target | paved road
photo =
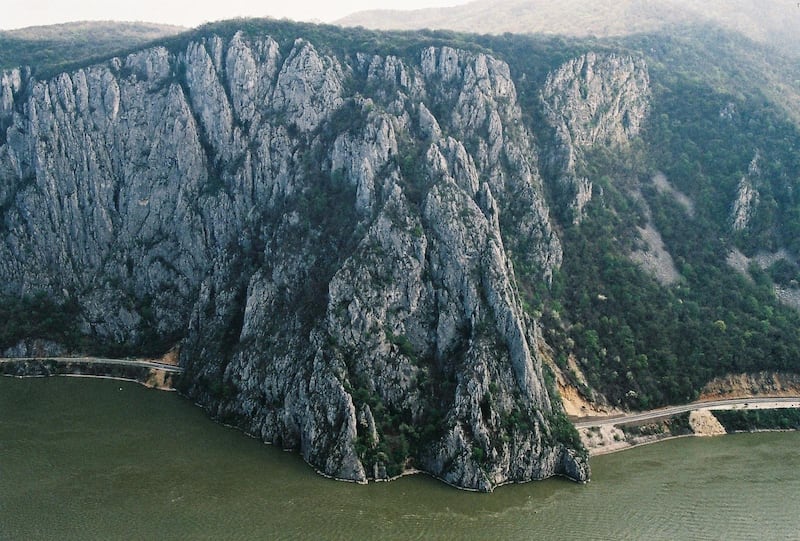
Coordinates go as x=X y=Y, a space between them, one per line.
x=100 y=360
x=782 y=402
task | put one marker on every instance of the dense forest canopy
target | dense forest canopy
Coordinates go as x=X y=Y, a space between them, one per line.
x=51 y=47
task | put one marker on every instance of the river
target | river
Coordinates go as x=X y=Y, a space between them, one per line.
x=99 y=459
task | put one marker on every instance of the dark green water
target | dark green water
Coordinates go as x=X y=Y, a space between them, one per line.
x=94 y=459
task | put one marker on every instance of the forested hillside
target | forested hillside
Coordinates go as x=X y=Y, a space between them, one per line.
x=769 y=22
x=384 y=249
x=647 y=335
x=54 y=47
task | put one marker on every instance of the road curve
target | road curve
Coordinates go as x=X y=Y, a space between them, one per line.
x=584 y=422
x=172 y=369
x=749 y=403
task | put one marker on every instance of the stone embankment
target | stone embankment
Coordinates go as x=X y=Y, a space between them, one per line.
x=153 y=374
x=604 y=435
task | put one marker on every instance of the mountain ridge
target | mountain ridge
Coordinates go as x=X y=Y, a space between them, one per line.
x=365 y=246
x=53 y=47
x=399 y=309
x=772 y=21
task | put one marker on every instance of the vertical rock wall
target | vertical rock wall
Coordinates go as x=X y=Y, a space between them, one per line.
x=328 y=238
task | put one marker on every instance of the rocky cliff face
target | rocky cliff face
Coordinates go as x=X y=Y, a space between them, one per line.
x=593 y=100
x=328 y=238
x=746 y=202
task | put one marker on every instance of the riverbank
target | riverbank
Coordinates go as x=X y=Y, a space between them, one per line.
x=600 y=435
x=96 y=459
x=150 y=373
x=604 y=436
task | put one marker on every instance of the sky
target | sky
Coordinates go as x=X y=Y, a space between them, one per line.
x=22 y=13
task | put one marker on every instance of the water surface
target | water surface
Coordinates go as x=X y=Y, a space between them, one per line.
x=97 y=459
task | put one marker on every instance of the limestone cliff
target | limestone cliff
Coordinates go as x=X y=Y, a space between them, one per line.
x=328 y=238
x=746 y=202
x=593 y=100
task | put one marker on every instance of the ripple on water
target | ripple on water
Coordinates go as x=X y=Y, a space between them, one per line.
x=79 y=459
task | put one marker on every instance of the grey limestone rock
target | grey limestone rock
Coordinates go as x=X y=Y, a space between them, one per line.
x=744 y=206
x=595 y=99
x=34 y=348
x=335 y=259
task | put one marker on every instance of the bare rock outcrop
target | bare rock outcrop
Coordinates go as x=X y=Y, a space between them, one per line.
x=328 y=238
x=592 y=100
x=746 y=202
